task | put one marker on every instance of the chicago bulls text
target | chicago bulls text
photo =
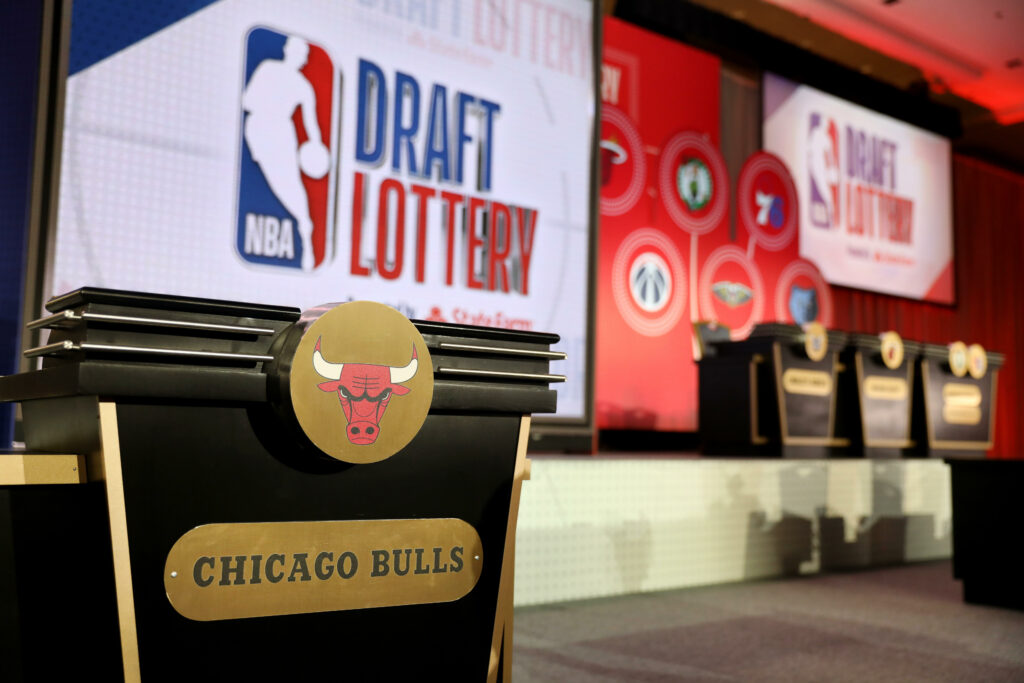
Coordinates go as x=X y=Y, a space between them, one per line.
x=237 y=570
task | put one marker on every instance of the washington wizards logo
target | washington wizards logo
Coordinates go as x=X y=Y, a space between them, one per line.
x=286 y=165
x=650 y=282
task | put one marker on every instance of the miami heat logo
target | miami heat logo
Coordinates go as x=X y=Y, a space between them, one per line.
x=891 y=349
x=286 y=155
x=361 y=381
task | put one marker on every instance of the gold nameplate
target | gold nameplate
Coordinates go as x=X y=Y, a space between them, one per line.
x=960 y=414
x=885 y=388
x=956 y=394
x=235 y=571
x=809 y=382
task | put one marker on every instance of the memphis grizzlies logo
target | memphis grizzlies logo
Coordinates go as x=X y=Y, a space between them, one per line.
x=803 y=304
x=287 y=152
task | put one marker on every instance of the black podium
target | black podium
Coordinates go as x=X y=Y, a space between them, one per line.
x=774 y=393
x=878 y=394
x=986 y=495
x=955 y=402
x=204 y=495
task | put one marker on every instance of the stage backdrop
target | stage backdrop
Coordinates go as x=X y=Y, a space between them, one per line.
x=988 y=211
x=659 y=113
x=432 y=156
x=668 y=257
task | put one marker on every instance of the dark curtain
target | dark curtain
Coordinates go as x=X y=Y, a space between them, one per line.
x=988 y=252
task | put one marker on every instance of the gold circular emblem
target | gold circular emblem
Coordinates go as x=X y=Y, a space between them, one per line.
x=977 y=361
x=892 y=349
x=815 y=341
x=361 y=382
x=958 y=358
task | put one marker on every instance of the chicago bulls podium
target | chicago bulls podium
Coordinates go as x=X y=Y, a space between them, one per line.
x=226 y=491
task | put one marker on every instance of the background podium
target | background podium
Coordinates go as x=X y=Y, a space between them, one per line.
x=766 y=395
x=164 y=423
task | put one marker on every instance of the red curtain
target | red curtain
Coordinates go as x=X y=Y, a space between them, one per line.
x=988 y=220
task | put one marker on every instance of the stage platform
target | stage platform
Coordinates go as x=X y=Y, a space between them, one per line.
x=606 y=525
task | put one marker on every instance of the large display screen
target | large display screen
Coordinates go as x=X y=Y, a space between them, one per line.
x=432 y=156
x=874 y=192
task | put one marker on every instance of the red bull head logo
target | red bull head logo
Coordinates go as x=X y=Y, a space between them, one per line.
x=360 y=355
x=364 y=391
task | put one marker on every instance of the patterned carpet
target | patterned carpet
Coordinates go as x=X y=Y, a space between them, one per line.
x=905 y=623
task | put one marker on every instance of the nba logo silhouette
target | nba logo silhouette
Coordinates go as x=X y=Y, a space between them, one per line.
x=287 y=153
x=823 y=168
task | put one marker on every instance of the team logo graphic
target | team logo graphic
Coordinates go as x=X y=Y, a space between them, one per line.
x=286 y=189
x=815 y=341
x=977 y=361
x=823 y=168
x=803 y=304
x=732 y=294
x=958 y=358
x=649 y=282
x=623 y=162
x=694 y=184
x=364 y=391
x=361 y=381
x=767 y=201
x=731 y=290
x=802 y=295
x=892 y=350
x=612 y=154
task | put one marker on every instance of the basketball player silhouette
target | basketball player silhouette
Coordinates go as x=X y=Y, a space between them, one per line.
x=276 y=88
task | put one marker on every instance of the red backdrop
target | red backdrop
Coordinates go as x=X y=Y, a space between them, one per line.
x=988 y=206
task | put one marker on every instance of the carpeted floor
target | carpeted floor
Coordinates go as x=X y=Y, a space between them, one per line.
x=905 y=623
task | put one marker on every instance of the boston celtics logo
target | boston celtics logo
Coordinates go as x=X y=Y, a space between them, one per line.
x=694 y=184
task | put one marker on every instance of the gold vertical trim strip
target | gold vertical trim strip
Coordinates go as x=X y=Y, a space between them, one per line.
x=502 y=632
x=110 y=454
x=756 y=437
x=831 y=434
x=777 y=355
x=859 y=363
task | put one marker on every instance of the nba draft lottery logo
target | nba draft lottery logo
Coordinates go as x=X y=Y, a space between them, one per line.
x=287 y=152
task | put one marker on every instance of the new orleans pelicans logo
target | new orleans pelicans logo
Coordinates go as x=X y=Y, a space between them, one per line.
x=361 y=381
x=815 y=341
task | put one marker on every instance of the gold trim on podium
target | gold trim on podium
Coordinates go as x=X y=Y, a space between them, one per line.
x=108 y=468
x=502 y=635
x=17 y=469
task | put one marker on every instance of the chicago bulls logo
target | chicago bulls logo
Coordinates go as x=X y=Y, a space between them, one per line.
x=353 y=359
x=364 y=391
